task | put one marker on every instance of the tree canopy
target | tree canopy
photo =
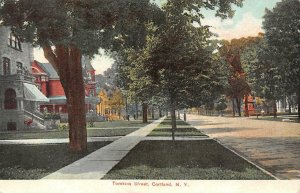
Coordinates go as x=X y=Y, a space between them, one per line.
x=282 y=34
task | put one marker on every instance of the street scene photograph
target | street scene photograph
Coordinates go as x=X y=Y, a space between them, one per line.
x=197 y=96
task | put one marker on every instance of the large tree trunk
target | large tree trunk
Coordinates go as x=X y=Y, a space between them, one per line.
x=145 y=112
x=238 y=104
x=233 y=107
x=68 y=66
x=173 y=118
x=246 y=106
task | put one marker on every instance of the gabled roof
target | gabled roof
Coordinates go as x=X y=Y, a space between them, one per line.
x=48 y=68
x=86 y=63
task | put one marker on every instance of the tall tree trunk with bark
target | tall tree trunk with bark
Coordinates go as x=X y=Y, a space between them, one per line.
x=173 y=117
x=246 y=106
x=152 y=113
x=233 y=107
x=238 y=104
x=160 y=112
x=67 y=62
x=145 y=112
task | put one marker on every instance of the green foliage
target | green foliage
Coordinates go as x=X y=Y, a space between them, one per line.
x=265 y=78
x=63 y=127
x=177 y=61
x=87 y=24
x=282 y=36
x=221 y=105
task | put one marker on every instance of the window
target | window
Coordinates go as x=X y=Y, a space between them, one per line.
x=14 y=41
x=19 y=67
x=10 y=101
x=6 y=66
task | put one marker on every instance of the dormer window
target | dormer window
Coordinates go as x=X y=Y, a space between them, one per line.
x=14 y=41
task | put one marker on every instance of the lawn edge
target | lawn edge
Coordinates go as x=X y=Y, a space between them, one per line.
x=246 y=159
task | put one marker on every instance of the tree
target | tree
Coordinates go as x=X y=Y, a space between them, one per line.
x=282 y=28
x=180 y=57
x=67 y=29
x=264 y=77
x=239 y=87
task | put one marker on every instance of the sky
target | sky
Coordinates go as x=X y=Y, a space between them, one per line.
x=247 y=21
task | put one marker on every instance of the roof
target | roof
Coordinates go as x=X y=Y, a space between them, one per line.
x=48 y=68
x=32 y=93
x=86 y=63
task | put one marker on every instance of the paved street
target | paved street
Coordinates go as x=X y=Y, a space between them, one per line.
x=275 y=146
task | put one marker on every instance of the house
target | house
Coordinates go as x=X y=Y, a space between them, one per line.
x=111 y=103
x=19 y=95
x=49 y=83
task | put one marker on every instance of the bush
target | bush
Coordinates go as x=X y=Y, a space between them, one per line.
x=63 y=127
x=51 y=116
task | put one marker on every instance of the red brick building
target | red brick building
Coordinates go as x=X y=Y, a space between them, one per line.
x=49 y=83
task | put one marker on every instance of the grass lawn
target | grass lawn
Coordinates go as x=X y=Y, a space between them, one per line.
x=188 y=160
x=101 y=129
x=37 y=161
x=183 y=129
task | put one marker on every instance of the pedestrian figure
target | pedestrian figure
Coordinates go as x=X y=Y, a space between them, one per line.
x=134 y=116
x=128 y=117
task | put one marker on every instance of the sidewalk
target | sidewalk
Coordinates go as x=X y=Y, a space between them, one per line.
x=49 y=141
x=98 y=163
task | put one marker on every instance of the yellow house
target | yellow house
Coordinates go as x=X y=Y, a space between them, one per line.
x=111 y=103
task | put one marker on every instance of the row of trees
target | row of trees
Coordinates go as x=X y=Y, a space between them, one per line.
x=177 y=66
x=267 y=65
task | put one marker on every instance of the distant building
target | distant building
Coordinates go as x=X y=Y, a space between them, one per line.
x=111 y=103
x=19 y=95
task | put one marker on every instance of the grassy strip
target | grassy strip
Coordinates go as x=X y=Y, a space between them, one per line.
x=37 y=161
x=65 y=134
x=183 y=129
x=271 y=118
x=110 y=128
x=189 y=160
